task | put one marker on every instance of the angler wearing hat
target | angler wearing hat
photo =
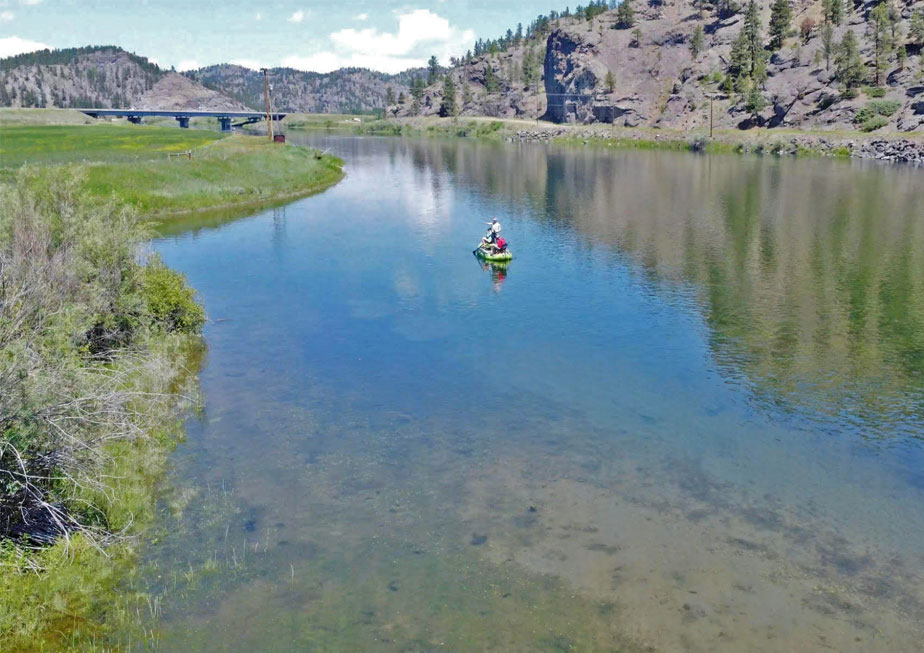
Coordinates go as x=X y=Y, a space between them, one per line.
x=494 y=228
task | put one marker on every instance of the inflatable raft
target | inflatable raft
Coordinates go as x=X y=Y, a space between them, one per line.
x=491 y=255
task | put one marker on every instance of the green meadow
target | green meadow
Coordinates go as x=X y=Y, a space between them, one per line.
x=131 y=163
x=54 y=144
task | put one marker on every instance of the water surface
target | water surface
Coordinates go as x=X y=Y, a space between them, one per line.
x=689 y=415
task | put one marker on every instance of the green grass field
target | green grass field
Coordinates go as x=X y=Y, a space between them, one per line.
x=44 y=144
x=131 y=163
x=233 y=171
x=11 y=116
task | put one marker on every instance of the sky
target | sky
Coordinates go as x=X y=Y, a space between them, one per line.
x=385 y=35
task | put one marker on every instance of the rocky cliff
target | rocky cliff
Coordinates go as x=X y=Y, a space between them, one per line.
x=646 y=74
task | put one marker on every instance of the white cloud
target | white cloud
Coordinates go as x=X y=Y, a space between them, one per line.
x=297 y=16
x=253 y=64
x=360 y=16
x=420 y=34
x=12 y=45
x=6 y=16
x=259 y=16
x=187 y=64
x=30 y=2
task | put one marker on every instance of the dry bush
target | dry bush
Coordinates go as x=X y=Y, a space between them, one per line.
x=81 y=373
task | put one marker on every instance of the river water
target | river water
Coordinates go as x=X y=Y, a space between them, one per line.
x=689 y=415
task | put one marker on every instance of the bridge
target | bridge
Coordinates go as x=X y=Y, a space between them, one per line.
x=224 y=117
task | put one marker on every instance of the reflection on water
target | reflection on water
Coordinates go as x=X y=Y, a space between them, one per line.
x=688 y=416
x=498 y=270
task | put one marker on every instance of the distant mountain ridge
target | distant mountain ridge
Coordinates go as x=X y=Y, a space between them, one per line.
x=109 y=77
x=347 y=90
x=105 y=77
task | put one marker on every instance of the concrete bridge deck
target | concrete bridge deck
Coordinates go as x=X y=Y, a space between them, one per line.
x=224 y=117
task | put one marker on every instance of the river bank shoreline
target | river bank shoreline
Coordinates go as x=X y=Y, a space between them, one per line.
x=888 y=147
x=129 y=345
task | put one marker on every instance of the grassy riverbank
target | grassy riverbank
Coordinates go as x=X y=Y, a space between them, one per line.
x=100 y=350
x=757 y=140
x=131 y=163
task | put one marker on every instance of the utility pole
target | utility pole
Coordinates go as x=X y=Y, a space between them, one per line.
x=269 y=111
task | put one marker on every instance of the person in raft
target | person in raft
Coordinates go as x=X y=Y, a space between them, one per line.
x=494 y=228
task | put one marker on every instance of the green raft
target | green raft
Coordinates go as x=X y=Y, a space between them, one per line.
x=494 y=256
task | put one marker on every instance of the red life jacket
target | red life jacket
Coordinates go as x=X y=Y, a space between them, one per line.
x=501 y=242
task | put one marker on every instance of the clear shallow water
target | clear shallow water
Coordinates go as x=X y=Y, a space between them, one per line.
x=688 y=416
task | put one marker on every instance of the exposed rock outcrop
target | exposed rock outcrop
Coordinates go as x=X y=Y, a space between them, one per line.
x=601 y=71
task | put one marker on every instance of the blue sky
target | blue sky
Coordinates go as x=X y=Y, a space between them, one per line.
x=385 y=35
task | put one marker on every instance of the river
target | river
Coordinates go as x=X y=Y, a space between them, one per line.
x=689 y=415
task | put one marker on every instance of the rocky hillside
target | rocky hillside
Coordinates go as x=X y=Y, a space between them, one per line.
x=657 y=64
x=348 y=90
x=110 y=77
x=100 y=77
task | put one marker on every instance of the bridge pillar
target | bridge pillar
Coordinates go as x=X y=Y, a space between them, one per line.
x=135 y=120
x=225 y=123
x=184 y=121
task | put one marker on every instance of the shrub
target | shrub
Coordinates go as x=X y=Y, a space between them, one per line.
x=874 y=91
x=881 y=108
x=169 y=299
x=81 y=374
x=806 y=28
x=874 y=123
x=885 y=107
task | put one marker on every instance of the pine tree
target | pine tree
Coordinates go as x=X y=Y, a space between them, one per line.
x=740 y=59
x=389 y=96
x=879 y=29
x=848 y=66
x=748 y=61
x=828 y=45
x=401 y=98
x=780 y=19
x=636 y=38
x=916 y=31
x=625 y=15
x=696 y=41
x=609 y=82
x=833 y=11
x=433 y=70
x=491 y=83
x=901 y=56
x=755 y=102
x=530 y=73
x=448 y=105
